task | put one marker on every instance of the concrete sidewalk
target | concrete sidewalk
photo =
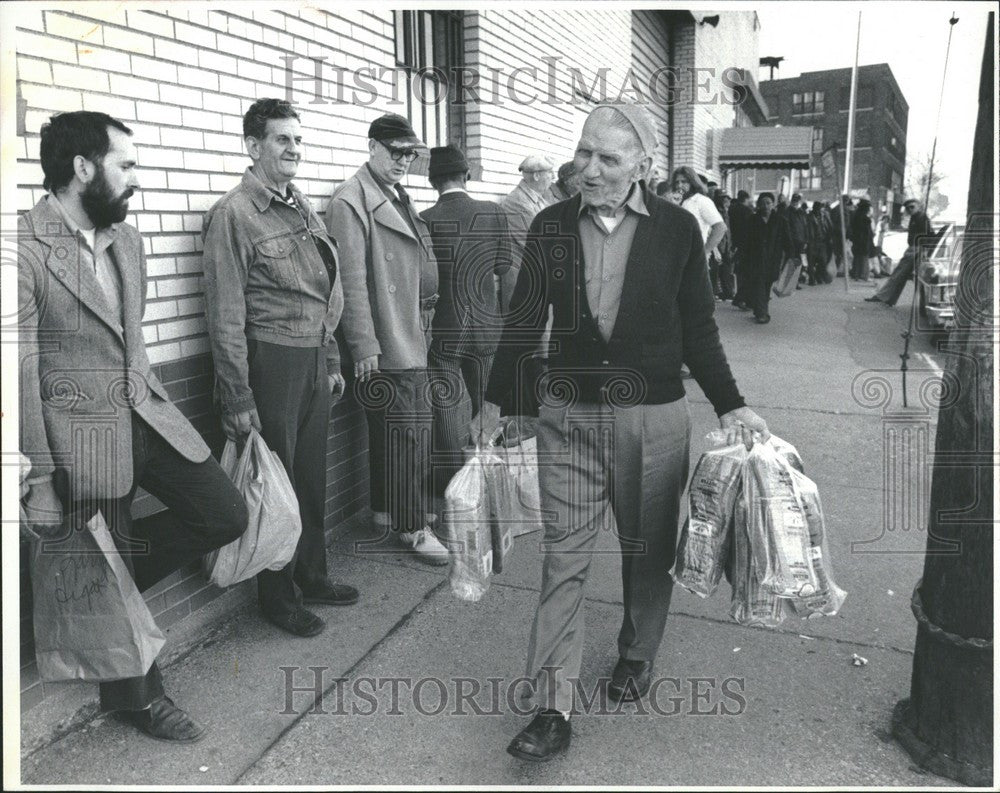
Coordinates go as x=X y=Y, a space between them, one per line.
x=799 y=712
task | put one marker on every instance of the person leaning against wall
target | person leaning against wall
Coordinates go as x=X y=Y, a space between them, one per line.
x=273 y=299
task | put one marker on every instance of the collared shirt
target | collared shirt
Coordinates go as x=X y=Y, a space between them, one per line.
x=96 y=254
x=605 y=255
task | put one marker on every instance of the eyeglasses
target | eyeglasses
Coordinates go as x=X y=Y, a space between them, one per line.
x=399 y=154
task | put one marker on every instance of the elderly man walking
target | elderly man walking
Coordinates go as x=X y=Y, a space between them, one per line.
x=390 y=289
x=624 y=273
x=527 y=199
x=273 y=301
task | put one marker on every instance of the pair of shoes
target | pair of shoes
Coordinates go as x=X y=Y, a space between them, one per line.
x=630 y=680
x=331 y=594
x=547 y=735
x=164 y=721
x=872 y=299
x=300 y=622
x=426 y=545
x=763 y=320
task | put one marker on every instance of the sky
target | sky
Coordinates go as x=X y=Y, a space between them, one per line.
x=912 y=38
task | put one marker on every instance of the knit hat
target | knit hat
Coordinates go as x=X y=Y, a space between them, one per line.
x=642 y=122
x=447 y=159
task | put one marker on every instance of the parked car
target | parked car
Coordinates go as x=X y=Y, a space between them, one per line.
x=938 y=276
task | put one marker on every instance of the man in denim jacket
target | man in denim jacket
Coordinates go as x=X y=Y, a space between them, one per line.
x=273 y=301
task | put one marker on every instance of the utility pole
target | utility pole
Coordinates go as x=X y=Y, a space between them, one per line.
x=946 y=724
x=849 y=156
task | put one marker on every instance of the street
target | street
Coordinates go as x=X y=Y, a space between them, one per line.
x=774 y=707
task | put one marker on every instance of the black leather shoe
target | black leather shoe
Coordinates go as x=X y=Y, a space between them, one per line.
x=331 y=595
x=300 y=622
x=547 y=735
x=630 y=680
x=164 y=721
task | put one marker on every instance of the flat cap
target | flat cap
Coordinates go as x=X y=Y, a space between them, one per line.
x=533 y=163
x=393 y=127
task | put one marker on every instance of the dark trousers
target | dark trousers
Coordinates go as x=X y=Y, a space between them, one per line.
x=204 y=512
x=758 y=289
x=891 y=290
x=458 y=382
x=292 y=394
x=859 y=265
x=397 y=408
x=726 y=283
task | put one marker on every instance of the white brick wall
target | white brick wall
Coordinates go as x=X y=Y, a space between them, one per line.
x=182 y=77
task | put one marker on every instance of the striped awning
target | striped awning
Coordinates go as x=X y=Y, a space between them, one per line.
x=766 y=147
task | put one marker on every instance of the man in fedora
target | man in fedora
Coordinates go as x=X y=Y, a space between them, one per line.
x=390 y=289
x=472 y=248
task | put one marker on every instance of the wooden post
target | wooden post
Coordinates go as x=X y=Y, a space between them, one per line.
x=947 y=723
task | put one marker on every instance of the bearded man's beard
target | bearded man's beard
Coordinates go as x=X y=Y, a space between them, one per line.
x=101 y=205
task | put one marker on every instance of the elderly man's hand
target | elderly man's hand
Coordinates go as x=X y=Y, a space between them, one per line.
x=237 y=425
x=43 y=510
x=484 y=428
x=742 y=424
x=337 y=384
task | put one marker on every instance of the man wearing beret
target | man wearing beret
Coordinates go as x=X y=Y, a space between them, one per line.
x=624 y=274
x=472 y=248
x=273 y=301
x=390 y=289
x=527 y=199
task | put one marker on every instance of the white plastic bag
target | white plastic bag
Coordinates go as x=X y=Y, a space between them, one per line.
x=273 y=531
x=469 y=527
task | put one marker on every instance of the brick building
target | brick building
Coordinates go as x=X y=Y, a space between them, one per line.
x=822 y=100
x=182 y=76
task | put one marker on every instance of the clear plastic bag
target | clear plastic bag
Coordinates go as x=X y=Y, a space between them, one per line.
x=519 y=511
x=704 y=542
x=468 y=523
x=751 y=603
x=828 y=597
x=274 y=527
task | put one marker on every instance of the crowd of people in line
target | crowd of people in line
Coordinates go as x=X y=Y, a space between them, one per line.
x=435 y=319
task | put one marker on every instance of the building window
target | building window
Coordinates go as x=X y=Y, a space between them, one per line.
x=808 y=102
x=817 y=140
x=429 y=47
x=809 y=179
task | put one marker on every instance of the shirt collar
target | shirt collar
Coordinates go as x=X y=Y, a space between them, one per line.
x=262 y=195
x=455 y=190
x=635 y=201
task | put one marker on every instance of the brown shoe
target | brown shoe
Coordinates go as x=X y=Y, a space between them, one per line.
x=164 y=721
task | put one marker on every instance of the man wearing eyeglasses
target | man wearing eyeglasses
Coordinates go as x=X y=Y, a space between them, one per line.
x=390 y=287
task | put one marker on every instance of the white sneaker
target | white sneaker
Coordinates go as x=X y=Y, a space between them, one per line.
x=426 y=545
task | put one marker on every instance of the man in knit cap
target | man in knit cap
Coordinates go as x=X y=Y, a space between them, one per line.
x=623 y=272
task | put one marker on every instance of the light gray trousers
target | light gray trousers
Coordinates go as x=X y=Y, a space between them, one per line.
x=605 y=468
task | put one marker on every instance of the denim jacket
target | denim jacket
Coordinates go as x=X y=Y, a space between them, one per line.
x=266 y=280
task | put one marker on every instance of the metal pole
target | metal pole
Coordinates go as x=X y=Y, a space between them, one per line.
x=849 y=157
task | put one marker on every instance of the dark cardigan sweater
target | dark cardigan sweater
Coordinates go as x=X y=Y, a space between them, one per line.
x=665 y=316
